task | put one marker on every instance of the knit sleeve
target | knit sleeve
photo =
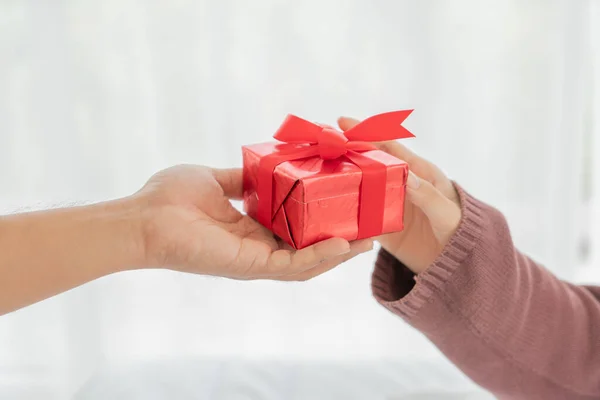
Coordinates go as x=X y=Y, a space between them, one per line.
x=503 y=319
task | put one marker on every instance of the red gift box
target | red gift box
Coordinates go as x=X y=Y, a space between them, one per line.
x=318 y=183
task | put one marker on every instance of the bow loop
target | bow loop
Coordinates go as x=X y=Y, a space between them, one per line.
x=333 y=144
x=297 y=130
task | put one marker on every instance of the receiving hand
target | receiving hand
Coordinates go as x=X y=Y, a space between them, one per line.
x=190 y=225
x=432 y=210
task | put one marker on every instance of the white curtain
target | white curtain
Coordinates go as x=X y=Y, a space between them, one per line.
x=97 y=96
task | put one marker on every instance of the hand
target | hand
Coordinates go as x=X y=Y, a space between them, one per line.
x=432 y=210
x=191 y=226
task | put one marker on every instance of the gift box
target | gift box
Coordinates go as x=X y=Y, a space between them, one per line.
x=315 y=182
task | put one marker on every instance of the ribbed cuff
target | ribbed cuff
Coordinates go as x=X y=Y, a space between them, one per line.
x=403 y=293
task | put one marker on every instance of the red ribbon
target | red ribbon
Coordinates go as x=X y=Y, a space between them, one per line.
x=305 y=139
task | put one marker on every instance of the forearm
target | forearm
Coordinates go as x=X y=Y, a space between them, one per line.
x=46 y=253
x=504 y=320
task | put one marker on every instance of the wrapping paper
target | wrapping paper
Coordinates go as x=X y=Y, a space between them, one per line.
x=336 y=187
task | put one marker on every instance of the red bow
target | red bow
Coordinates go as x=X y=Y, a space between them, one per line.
x=332 y=143
x=305 y=139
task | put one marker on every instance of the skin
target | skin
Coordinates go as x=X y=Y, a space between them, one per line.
x=432 y=210
x=182 y=219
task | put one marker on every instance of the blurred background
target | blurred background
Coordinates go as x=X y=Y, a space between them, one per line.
x=97 y=96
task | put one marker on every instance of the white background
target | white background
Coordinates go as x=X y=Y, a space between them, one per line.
x=97 y=96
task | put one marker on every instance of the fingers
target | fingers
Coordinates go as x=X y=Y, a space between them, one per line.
x=402 y=152
x=357 y=247
x=287 y=262
x=443 y=213
x=392 y=147
x=231 y=180
x=346 y=123
x=425 y=169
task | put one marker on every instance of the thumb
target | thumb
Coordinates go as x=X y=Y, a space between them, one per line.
x=346 y=123
x=443 y=214
x=231 y=180
x=219 y=206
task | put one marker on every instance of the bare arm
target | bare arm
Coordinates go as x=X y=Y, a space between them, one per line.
x=182 y=219
x=48 y=252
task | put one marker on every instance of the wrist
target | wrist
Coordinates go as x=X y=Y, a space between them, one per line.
x=56 y=250
x=415 y=261
x=124 y=221
x=148 y=220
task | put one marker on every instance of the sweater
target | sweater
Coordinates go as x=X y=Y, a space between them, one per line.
x=504 y=320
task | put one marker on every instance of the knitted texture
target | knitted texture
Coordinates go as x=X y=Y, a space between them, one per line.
x=504 y=320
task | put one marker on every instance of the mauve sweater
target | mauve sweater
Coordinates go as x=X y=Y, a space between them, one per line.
x=504 y=320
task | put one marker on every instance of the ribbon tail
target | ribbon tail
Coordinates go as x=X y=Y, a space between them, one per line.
x=381 y=127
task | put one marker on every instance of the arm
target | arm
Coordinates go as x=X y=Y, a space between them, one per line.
x=45 y=253
x=455 y=275
x=182 y=219
x=505 y=321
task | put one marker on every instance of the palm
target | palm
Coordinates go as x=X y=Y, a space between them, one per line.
x=198 y=230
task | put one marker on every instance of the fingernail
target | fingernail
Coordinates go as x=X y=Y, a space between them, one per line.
x=344 y=251
x=348 y=119
x=367 y=247
x=413 y=181
x=341 y=253
x=363 y=246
